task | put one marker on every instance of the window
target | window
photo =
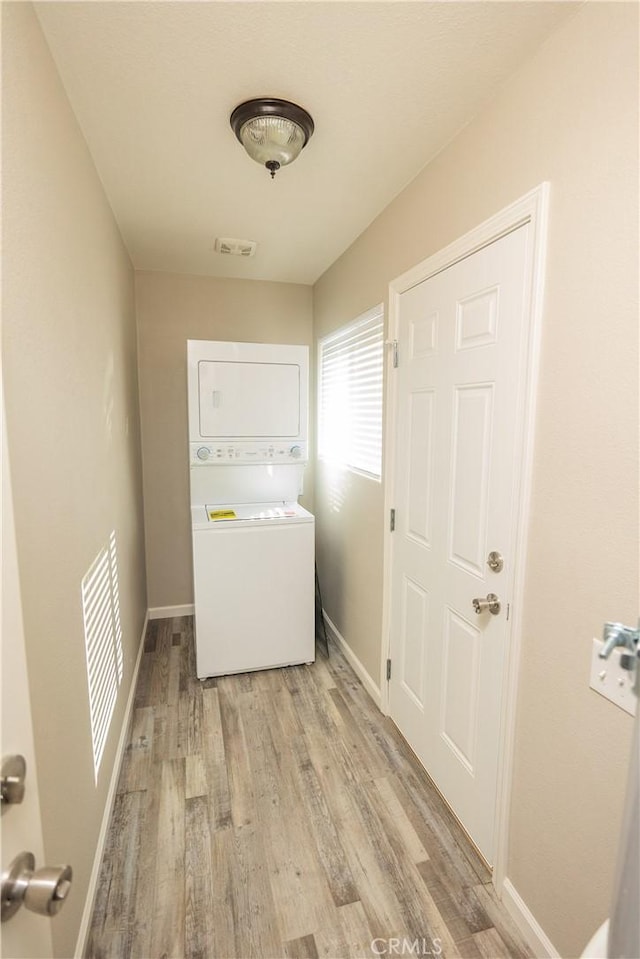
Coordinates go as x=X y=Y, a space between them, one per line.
x=350 y=368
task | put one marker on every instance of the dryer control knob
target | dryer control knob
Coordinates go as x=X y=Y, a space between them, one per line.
x=295 y=452
x=203 y=453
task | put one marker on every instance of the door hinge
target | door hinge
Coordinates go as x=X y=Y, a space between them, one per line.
x=392 y=520
x=388 y=670
x=394 y=353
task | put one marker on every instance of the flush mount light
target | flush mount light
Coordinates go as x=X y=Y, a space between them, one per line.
x=273 y=132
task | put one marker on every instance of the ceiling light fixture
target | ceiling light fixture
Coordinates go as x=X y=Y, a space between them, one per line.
x=273 y=132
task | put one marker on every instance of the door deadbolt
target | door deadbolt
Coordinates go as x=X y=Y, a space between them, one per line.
x=12 y=776
x=495 y=562
x=41 y=890
x=491 y=603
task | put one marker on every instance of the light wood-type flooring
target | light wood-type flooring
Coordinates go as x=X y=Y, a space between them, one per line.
x=279 y=814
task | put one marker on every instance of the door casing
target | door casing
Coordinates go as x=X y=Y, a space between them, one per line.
x=532 y=208
x=25 y=934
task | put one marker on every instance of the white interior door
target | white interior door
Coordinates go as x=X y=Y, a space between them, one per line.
x=25 y=934
x=459 y=405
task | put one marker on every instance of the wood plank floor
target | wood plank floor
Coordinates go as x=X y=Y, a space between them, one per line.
x=279 y=814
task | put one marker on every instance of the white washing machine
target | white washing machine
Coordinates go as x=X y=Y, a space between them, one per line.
x=254 y=586
x=253 y=544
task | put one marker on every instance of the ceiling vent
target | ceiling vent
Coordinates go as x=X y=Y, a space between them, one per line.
x=233 y=247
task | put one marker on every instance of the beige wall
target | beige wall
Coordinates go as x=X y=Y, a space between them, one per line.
x=171 y=309
x=570 y=116
x=69 y=356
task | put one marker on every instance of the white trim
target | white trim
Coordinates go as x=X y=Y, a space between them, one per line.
x=353 y=661
x=527 y=209
x=388 y=470
x=85 y=922
x=168 y=612
x=533 y=933
x=532 y=209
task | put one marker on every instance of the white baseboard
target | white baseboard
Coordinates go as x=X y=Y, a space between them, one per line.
x=532 y=932
x=85 y=922
x=354 y=662
x=168 y=612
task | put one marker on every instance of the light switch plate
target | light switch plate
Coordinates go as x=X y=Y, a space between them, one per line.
x=612 y=681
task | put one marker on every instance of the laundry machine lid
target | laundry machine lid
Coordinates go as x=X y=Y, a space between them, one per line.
x=220 y=515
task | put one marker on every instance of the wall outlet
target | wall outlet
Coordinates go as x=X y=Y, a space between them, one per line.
x=612 y=681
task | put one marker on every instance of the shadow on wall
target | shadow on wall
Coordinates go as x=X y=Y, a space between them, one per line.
x=339 y=483
x=336 y=482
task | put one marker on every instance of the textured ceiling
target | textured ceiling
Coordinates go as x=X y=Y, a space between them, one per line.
x=388 y=85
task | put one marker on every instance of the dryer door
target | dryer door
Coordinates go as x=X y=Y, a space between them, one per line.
x=249 y=400
x=241 y=393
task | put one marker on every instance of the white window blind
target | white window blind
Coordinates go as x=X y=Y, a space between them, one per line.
x=350 y=394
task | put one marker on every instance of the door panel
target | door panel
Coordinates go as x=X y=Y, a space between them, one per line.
x=416 y=606
x=424 y=335
x=461 y=347
x=419 y=499
x=459 y=710
x=471 y=437
x=476 y=320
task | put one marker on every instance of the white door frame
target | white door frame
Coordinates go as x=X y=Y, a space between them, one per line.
x=532 y=209
x=25 y=934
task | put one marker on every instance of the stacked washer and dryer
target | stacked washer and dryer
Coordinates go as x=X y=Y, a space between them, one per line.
x=253 y=543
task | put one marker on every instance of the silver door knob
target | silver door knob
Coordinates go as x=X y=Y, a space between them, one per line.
x=12 y=777
x=41 y=890
x=495 y=562
x=491 y=603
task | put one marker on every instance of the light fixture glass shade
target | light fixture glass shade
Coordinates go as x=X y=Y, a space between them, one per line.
x=273 y=132
x=272 y=139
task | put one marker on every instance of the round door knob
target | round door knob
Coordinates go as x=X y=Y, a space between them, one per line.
x=43 y=891
x=491 y=604
x=47 y=890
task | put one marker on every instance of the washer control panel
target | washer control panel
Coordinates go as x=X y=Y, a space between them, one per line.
x=203 y=454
